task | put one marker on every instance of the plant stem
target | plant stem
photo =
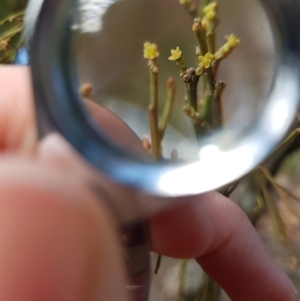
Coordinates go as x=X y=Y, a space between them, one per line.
x=232 y=188
x=217 y=110
x=289 y=138
x=201 y=37
x=281 y=226
x=282 y=192
x=191 y=82
x=171 y=87
x=153 y=113
x=182 y=274
x=289 y=193
x=278 y=226
x=216 y=67
x=158 y=262
x=9 y=18
x=207 y=114
x=211 y=291
x=210 y=39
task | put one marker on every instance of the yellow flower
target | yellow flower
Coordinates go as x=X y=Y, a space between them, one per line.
x=204 y=23
x=232 y=41
x=226 y=49
x=211 y=15
x=150 y=51
x=210 y=7
x=175 y=54
x=206 y=61
x=210 y=11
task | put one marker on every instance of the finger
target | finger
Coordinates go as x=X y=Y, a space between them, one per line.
x=17 y=117
x=115 y=128
x=218 y=234
x=17 y=125
x=56 y=242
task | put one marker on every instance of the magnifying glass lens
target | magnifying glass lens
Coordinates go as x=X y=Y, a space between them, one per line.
x=177 y=82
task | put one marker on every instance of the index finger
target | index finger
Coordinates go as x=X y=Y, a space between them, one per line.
x=216 y=232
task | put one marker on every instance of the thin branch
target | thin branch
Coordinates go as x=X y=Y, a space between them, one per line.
x=201 y=37
x=289 y=193
x=191 y=83
x=278 y=225
x=153 y=113
x=283 y=197
x=11 y=17
x=217 y=110
x=295 y=133
x=158 y=263
x=171 y=88
x=232 y=188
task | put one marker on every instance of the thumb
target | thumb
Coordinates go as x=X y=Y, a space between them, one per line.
x=56 y=242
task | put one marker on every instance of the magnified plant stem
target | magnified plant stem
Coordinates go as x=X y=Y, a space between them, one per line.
x=217 y=111
x=201 y=37
x=171 y=88
x=153 y=114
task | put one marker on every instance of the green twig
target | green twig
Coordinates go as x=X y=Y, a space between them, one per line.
x=11 y=32
x=216 y=66
x=201 y=37
x=191 y=83
x=217 y=110
x=210 y=39
x=281 y=226
x=295 y=133
x=278 y=224
x=153 y=113
x=171 y=87
x=289 y=193
x=13 y=16
x=231 y=189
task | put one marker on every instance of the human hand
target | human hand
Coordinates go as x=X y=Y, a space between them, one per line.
x=57 y=242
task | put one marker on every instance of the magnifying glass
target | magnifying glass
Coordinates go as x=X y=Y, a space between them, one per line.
x=101 y=44
x=209 y=91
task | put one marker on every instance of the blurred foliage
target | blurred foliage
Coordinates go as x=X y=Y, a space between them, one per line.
x=8 y=6
x=11 y=24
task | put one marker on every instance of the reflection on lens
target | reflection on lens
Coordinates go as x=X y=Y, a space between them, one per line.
x=175 y=73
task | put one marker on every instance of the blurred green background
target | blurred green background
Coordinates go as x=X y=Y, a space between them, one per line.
x=11 y=22
x=9 y=6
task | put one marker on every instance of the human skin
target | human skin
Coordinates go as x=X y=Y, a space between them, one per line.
x=59 y=242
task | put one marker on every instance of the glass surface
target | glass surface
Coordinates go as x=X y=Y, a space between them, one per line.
x=109 y=37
